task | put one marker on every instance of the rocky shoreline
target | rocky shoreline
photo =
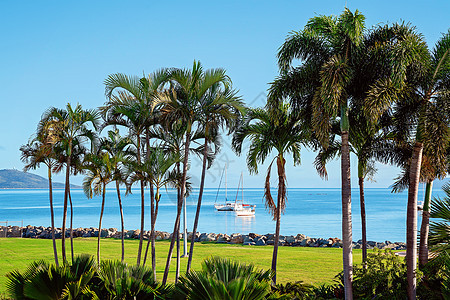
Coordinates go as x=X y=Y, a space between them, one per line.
x=251 y=239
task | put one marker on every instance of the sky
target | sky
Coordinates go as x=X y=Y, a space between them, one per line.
x=55 y=52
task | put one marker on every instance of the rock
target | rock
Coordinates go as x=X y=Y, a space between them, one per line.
x=222 y=238
x=290 y=239
x=247 y=239
x=253 y=235
x=249 y=243
x=304 y=242
x=260 y=242
x=237 y=239
x=207 y=237
x=299 y=237
x=136 y=234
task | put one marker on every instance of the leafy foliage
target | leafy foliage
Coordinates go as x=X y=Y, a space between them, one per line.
x=224 y=279
x=83 y=279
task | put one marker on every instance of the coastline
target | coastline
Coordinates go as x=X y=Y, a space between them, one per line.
x=250 y=239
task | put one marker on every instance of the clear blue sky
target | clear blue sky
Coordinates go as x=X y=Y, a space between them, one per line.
x=54 y=52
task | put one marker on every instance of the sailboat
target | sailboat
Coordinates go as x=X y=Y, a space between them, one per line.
x=241 y=209
x=229 y=205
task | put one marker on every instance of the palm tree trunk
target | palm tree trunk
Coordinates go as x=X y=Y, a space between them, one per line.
x=122 y=236
x=152 y=199
x=179 y=206
x=141 y=235
x=425 y=227
x=66 y=195
x=177 y=272
x=199 y=204
x=280 y=199
x=152 y=218
x=346 y=217
x=363 y=214
x=52 y=214
x=71 y=225
x=100 y=223
x=411 y=220
x=154 y=237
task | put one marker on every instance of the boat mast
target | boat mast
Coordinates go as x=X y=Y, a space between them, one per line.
x=225 y=182
x=242 y=187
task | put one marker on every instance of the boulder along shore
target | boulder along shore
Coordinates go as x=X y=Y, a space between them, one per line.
x=251 y=239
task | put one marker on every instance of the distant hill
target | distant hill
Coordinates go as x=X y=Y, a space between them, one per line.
x=15 y=179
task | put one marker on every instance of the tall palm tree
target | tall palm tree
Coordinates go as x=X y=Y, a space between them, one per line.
x=172 y=143
x=341 y=65
x=117 y=148
x=41 y=150
x=401 y=156
x=221 y=108
x=159 y=170
x=131 y=106
x=367 y=142
x=74 y=131
x=426 y=99
x=181 y=104
x=277 y=129
x=100 y=169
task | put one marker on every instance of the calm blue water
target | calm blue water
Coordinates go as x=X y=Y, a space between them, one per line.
x=314 y=212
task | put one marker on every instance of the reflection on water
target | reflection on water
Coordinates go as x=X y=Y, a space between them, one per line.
x=244 y=223
x=234 y=224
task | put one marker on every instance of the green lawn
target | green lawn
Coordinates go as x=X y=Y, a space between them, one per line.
x=311 y=265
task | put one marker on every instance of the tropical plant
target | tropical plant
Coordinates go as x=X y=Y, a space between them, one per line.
x=181 y=104
x=100 y=168
x=224 y=279
x=341 y=65
x=423 y=113
x=220 y=108
x=277 y=130
x=39 y=150
x=292 y=290
x=84 y=279
x=439 y=238
x=73 y=130
x=117 y=148
x=47 y=281
x=172 y=143
x=120 y=281
x=159 y=170
x=367 y=142
x=132 y=106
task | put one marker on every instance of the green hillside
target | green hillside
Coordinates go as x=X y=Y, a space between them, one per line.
x=15 y=179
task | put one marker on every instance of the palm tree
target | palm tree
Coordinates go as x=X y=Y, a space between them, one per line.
x=131 y=106
x=221 y=108
x=172 y=143
x=181 y=104
x=159 y=170
x=367 y=142
x=426 y=98
x=73 y=131
x=401 y=156
x=100 y=167
x=116 y=146
x=41 y=150
x=341 y=65
x=275 y=129
x=224 y=279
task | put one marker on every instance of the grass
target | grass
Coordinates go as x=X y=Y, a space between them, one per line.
x=310 y=265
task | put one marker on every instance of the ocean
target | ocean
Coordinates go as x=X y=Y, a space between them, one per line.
x=313 y=212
